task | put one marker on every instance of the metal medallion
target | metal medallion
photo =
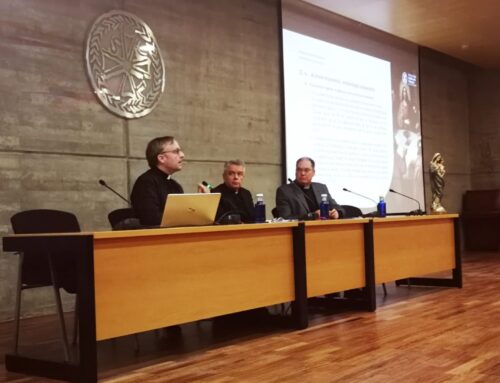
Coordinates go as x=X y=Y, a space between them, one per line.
x=124 y=64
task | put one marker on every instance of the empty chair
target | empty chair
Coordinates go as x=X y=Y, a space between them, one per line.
x=41 y=269
x=351 y=211
x=123 y=219
x=274 y=212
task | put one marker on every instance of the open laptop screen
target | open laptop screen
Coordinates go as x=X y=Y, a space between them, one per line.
x=195 y=209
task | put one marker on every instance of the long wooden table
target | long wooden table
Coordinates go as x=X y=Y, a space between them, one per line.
x=133 y=281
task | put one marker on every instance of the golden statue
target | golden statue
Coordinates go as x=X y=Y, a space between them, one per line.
x=437 y=171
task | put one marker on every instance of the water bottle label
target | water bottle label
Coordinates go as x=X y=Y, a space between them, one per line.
x=260 y=212
x=324 y=210
x=381 y=209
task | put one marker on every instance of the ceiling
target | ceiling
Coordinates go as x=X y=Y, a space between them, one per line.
x=466 y=29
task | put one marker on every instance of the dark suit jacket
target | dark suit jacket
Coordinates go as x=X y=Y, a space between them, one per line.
x=240 y=203
x=291 y=201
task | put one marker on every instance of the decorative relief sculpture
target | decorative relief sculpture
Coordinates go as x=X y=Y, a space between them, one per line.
x=437 y=171
x=124 y=64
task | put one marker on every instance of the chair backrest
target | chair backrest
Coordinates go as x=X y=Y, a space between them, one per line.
x=44 y=221
x=274 y=212
x=351 y=211
x=35 y=268
x=121 y=219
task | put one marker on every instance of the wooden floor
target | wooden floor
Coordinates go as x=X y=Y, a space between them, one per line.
x=416 y=335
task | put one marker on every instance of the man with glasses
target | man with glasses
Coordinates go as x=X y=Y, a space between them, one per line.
x=165 y=157
x=301 y=198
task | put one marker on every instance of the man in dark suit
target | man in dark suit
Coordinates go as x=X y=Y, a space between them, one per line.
x=235 y=199
x=301 y=198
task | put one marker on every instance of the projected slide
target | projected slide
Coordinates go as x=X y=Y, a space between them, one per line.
x=339 y=111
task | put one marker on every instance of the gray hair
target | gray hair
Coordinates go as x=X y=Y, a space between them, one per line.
x=313 y=164
x=233 y=162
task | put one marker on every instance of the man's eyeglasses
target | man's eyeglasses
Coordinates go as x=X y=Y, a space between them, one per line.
x=303 y=170
x=175 y=151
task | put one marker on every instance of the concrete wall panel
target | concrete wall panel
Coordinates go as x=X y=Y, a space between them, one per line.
x=485 y=129
x=445 y=123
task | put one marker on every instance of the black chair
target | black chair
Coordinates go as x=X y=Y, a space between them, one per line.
x=41 y=269
x=351 y=211
x=123 y=219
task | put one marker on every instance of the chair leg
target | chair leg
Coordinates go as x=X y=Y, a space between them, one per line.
x=60 y=313
x=137 y=344
x=385 y=289
x=17 y=315
x=75 y=324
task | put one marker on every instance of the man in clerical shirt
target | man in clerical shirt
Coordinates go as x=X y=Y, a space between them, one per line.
x=149 y=194
x=301 y=198
x=235 y=199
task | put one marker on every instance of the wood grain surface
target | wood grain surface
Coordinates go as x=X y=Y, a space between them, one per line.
x=410 y=247
x=161 y=280
x=334 y=256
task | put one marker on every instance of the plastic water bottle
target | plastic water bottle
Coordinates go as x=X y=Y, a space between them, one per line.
x=260 y=209
x=324 y=207
x=381 y=207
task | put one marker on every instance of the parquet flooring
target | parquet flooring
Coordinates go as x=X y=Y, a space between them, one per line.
x=417 y=334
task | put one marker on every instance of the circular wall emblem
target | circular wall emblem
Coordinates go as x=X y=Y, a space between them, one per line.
x=124 y=64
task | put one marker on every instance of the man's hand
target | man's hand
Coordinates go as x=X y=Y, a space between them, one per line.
x=334 y=214
x=203 y=189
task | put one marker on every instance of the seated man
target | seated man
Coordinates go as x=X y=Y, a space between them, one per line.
x=151 y=188
x=301 y=198
x=235 y=199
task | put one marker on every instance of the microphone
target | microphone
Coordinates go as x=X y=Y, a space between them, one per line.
x=205 y=183
x=360 y=195
x=290 y=180
x=230 y=217
x=413 y=212
x=101 y=181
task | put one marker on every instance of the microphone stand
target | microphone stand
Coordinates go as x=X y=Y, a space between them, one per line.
x=225 y=216
x=360 y=195
x=371 y=214
x=103 y=183
x=413 y=212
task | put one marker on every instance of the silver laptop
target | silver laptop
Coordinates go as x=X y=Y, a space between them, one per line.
x=190 y=209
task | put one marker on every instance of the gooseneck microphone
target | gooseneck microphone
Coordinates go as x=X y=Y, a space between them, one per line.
x=413 y=212
x=360 y=195
x=230 y=217
x=290 y=180
x=114 y=191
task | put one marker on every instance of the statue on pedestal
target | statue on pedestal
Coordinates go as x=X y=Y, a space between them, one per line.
x=437 y=171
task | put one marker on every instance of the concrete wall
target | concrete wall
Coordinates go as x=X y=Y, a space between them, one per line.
x=485 y=129
x=222 y=101
x=445 y=123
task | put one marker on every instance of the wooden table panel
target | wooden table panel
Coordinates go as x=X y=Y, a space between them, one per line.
x=335 y=256
x=148 y=282
x=406 y=247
